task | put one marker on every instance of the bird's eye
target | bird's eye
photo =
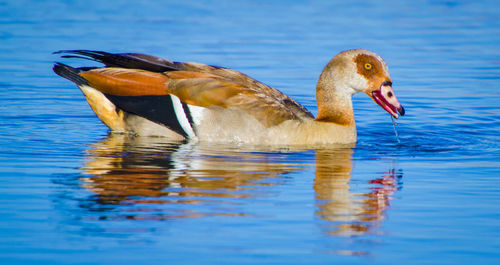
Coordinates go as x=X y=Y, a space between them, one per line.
x=368 y=66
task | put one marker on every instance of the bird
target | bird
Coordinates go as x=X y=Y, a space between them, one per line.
x=144 y=95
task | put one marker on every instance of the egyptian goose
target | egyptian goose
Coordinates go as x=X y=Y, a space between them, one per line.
x=146 y=95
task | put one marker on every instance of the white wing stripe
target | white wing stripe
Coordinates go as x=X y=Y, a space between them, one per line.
x=181 y=117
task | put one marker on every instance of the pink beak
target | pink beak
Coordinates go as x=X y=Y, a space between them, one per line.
x=385 y=98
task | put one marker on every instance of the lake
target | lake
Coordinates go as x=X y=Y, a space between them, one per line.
x=71 y=193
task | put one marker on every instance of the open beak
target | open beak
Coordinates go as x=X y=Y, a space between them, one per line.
x=384 y=96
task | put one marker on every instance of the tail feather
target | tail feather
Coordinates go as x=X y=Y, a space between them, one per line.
x=69 y=73
x=125 y=60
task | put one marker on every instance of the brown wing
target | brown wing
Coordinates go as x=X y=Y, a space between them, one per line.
x=230 y=75
x=269 y=95
x=220 y=92
x=193 y=83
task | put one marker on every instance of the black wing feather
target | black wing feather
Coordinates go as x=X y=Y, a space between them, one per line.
x=157 y=109
x=125 y=60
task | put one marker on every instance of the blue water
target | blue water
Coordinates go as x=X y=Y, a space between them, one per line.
x=72 y=194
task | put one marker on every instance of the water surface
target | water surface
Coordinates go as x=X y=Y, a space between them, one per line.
x=73 y=194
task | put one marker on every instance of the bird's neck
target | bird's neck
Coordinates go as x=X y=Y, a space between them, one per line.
x=334 y=102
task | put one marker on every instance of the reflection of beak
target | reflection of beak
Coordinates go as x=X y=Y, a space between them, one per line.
x=385 y=98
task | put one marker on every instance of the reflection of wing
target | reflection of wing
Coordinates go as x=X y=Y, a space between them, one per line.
x=123 y=169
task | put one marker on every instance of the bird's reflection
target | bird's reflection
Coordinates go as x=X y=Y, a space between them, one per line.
x=212 y=180
x=347 y=212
